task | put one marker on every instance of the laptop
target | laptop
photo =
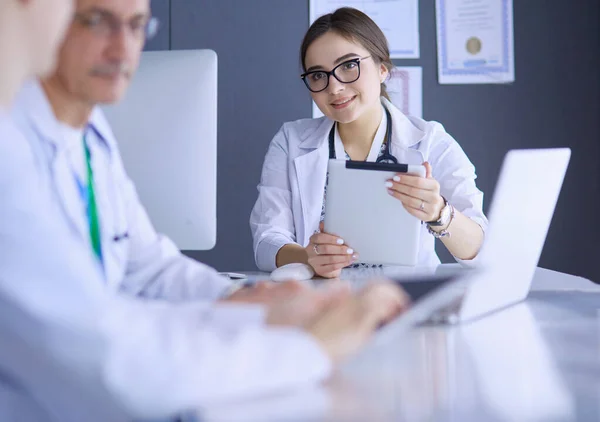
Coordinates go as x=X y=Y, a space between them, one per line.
x=525 y=198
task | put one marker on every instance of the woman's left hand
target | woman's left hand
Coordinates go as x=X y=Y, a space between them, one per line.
x=420 y=196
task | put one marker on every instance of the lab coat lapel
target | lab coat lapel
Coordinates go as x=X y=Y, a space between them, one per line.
x=405 y=137
x=35 y=107
x=311 y=172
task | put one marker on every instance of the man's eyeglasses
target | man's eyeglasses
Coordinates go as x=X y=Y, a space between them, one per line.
x=105 y=24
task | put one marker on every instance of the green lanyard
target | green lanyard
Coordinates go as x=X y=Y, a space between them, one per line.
x=92 y=210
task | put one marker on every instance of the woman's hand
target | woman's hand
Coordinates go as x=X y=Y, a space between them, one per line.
x=420 y=196
x=328 y=254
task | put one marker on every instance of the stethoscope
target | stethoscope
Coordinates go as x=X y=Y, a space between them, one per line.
x=385 y=157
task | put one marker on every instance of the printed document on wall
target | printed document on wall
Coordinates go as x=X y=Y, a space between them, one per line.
x=398 y=19
x=475 y=41
x=405 y=88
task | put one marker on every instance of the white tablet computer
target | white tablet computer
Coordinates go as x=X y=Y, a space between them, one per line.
x=359 y=209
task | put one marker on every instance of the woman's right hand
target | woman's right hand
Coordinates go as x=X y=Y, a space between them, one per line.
x=328 y=254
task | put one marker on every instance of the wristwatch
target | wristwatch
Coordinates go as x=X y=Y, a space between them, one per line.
x=446 y=217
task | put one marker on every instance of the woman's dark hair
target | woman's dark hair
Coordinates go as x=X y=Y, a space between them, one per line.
x=355 y=26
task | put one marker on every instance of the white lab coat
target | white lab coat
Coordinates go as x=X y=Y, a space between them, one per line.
x=290 y=193
x=76 y=351
x=142 y=264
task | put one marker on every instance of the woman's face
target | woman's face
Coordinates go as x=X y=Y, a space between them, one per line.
x=343 y=102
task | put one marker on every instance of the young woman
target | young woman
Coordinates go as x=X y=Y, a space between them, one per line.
x=346 y=61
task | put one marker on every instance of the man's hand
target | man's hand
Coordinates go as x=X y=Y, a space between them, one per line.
x=344 y=327
x=290 y=303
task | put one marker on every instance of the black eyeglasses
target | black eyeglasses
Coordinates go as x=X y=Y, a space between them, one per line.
x=103 y=24
x=346 y=72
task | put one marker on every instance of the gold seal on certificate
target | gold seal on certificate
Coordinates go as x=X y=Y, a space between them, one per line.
x=475 y=41
x=473 y=45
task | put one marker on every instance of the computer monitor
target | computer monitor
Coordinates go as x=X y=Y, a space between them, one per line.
x=166 y=128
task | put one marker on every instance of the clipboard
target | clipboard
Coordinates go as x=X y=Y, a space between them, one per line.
x=359 y=209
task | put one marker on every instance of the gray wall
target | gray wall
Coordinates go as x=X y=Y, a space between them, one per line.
x=555 y=101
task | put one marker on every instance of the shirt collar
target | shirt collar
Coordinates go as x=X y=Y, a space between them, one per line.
x=32 y=104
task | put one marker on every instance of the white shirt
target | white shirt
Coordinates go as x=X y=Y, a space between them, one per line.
x=74 y=148
x=289 y=203
x=76 y=350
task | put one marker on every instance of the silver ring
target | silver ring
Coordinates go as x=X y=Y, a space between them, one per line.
x=316 y=250
x=422 y=207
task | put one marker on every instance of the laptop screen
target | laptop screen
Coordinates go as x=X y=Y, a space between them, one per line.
x=416 y=289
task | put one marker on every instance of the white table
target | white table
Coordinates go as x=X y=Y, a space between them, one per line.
x=543 y=279
x=535 y=361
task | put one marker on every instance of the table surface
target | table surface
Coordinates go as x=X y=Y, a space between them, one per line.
x=543 y=279
x=536 y=361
